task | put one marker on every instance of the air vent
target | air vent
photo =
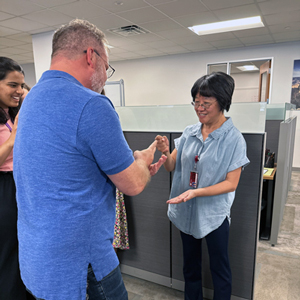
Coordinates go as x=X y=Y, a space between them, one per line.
x=129 y=30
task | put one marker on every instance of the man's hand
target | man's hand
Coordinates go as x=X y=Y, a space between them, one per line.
x=147 y=155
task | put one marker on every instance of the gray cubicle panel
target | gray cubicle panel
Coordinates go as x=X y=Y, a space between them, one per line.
x=272 y=130
x=245 y=216
x=148 y=224
x=283 y=174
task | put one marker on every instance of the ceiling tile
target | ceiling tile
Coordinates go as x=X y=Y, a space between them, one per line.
x=4 y=31
x=226 y=43
x=21 y=24
x=161 y=44
x=142 y=15
x=18 y=8
x=201 y=46
x=120 y=41
x=175 y=49
x=188 y=39
x=13 y=50
x=27 y=38
x=196 y=19
x=26 y=47
x=183 y=32
x=10 y=43
x=257 y=39
x=130 y=55
x=48 y=17
x=81 y=10
x=52 y=3
x=151 y=52
x=4 y=16
x=283 y=17
x=162 y=25
x=144 y=38
x=135 y=47
x=286 y=27
x=251 y=32
x=109 y=22
x=181 y=8
x=42 y=30
x=117 y=7
x=238 y=12
x=287 y=36
x=278 y=6
x=217 y=4
x=156 y=2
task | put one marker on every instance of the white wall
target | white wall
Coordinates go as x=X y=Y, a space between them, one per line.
x=168 y=79
x=246 y=87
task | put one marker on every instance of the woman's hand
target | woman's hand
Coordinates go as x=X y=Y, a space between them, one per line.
x=155 y=167
x=188 y=195
x=162 y=144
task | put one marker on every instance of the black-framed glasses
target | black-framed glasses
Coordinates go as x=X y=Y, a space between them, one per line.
x=110 y=71
x=204 y=106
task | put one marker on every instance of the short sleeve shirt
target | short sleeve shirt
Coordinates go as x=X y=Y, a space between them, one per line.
x=69 y=140
x=223 y=151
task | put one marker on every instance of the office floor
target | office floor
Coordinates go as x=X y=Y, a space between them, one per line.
x=277 y=271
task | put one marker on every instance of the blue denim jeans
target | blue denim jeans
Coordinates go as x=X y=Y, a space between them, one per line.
x=111 y=287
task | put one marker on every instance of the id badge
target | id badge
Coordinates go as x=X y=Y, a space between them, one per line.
x=194 y=179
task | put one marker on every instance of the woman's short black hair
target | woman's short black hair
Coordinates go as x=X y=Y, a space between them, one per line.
x=8 y=65
x=218 y=85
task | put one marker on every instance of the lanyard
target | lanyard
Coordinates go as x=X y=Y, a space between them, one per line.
x=194 y=174
x=8 y=126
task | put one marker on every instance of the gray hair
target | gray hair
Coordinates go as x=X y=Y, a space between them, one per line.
x=73 y=38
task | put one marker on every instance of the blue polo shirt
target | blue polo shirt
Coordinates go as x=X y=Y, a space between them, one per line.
x=223 y=151
x=69 y=139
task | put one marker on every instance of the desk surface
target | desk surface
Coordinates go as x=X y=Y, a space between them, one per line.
x=270 y=177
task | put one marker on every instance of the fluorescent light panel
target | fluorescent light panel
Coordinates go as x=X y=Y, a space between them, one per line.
x=247 y=68
x=232 y=25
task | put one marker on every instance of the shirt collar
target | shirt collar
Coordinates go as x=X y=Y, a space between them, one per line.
x=216 y=134
x=59 y=74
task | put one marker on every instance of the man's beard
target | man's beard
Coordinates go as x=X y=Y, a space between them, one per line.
x=97 y=80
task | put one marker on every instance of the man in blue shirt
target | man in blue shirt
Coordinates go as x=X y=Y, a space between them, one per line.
x=69 y=155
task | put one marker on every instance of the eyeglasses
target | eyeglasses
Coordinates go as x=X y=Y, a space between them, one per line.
x=110 y=71
x=204 y=106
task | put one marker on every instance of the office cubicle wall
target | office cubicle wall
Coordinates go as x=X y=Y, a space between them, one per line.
x=155 y=247
x=283 y=175
x=148 y=225
x=272 y=130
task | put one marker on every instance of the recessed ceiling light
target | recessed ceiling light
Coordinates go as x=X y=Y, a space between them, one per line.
x=247 y=68
x=232 y=25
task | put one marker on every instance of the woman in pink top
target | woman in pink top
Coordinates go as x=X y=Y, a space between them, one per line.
x=11 y=90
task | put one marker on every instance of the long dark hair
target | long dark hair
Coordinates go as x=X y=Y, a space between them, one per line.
x=8 y=65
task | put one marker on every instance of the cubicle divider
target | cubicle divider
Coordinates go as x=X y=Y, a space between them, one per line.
x=149 y=256
x=284 y=172
x=155 y=247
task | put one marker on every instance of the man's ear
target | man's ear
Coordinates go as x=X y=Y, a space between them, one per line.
x=90 y=57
